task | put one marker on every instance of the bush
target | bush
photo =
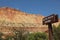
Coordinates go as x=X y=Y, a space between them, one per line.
x=40 y=36
x=20 y=34
x=24 y=35
x=31 y=37
x=1 y=36
x=37 y=36
x=56 y=32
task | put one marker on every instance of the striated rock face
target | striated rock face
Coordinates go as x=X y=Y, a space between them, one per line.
x=10 y=17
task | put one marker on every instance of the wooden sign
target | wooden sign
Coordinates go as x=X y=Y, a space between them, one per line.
x=50 y=19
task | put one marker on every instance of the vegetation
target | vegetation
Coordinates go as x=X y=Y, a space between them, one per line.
x=56 y=32
x=25 y=35
x=40 y=36
x=1 y=35
x=31 y=36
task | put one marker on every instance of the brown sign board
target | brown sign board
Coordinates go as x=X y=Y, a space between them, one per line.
x=50 y=19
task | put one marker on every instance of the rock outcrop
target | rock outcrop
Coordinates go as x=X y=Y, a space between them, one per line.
x=11 y=18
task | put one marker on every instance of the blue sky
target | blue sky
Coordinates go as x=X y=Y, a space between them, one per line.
x=42 y=7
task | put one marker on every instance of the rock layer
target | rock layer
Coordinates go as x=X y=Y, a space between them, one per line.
x=12 y=18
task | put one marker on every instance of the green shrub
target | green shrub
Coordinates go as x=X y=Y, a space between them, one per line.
x=31 y=37
x=56 y=32
x=40 y=36
x=37 y=36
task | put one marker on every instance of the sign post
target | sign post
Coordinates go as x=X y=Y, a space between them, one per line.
x=48 y=21
x=50 y=31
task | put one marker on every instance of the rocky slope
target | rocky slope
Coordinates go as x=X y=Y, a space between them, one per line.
x=11 y=18
x=10 y=15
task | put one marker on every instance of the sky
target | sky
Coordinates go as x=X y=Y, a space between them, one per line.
x=40 y=7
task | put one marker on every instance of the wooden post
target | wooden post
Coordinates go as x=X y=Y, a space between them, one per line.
x=50 y=31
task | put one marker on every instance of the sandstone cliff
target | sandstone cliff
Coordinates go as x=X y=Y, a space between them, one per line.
x=10 y=17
